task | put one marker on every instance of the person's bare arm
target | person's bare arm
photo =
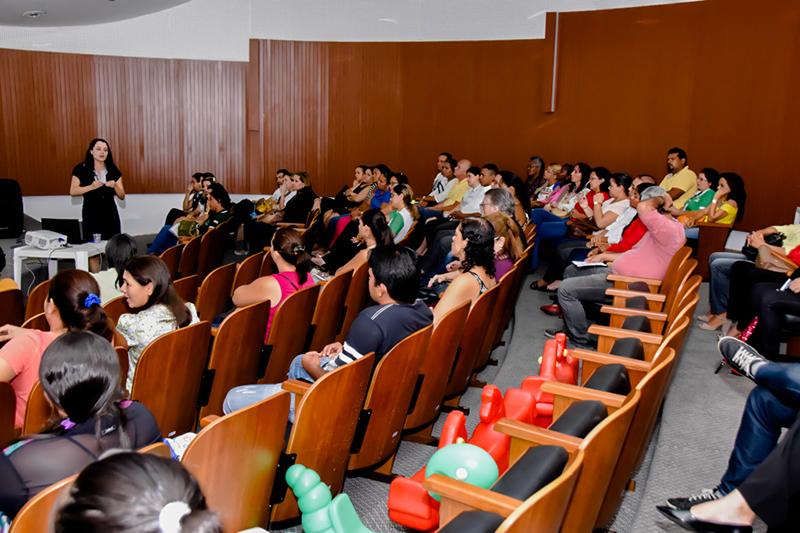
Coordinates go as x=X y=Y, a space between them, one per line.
x=119 y=190
x=311 y=363
x=603 y=257
x=462 y=289
x=264 y=288
x=75 y=188
x=675 y=193
x=355 y=262
x=6 y=372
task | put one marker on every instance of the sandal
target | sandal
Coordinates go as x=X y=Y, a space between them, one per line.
x=723 y=323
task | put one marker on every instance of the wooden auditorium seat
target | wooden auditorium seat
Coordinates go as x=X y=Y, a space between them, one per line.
x=248 y=271
x=189 y=255
x=11 y=303
x=172 y=258
x=8 y=403
x=124 y=362
x=116 y=308
x=357 y=298
x=186 y=287
x=36 y=299
x=37 y=322
x=38 y=411
x=213 y=296
x=36 y=516
x=267 y=265
x=329 y=313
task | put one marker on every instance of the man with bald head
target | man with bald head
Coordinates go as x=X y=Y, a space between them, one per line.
x=450 y=203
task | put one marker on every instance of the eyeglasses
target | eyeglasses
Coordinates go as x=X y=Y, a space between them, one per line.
x=484 y=205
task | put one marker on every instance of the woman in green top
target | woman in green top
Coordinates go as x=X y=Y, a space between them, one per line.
x=405 y=211
x=707 y=181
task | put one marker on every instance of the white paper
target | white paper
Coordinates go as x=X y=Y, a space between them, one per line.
x=582 y=264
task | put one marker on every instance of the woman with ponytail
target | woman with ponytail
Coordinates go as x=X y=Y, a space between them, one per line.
x=405 y=211
x=293 y=263
x=80 y=377
x=345 y=254
x=73 y=304
x=136 y=493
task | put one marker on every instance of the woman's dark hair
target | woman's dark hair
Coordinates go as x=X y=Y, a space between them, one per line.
x=586 y=173
x=479 y=251
x=407 y=193
x=151 y=269
x=712 y=176
x=209 y=176
x=737 y=194
x=623 y=179
x=119 y=249
x=375 y=220
x=605 y=175
x=401 y=178
x=79 y=372
x=89 y=160
x=69 y=291
x=289 y=245
x=218 y=191
x=197 y=176
x=397 y=267
x=384 y=170
x=566 y=168
x=511 y=180
x=363 y=167
x=126 y=492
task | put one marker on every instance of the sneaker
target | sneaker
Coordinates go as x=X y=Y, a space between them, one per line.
x=240 y=252
x=741 y=356
x=684 y=504
x=551 y=333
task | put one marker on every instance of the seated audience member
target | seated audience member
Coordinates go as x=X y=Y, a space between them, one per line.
x=281 y=188
x=157 y=308
x=219 y=210
x=245 y=210
x=726 y=206
x=345 y=254
x=159 y=492
x=535 y=180
x=720 y=264
x=72 y=304
x=649 y=258
x=604 y=212
x=522 y=203
x=619 y=236
x=193 y=200
x=346 y=226
x=680 y=183
x=772 y=405
x=393 y=284
x=404 y=211
x=348 y=197
x=488 y=174
x=119 y=249
x=450 y=203
x=293 y=263
x=79 y=373
x=398 y=179
x=473 y=246
x=707 y=181
x=199 y=213
x=551 y=187
x=441 y=183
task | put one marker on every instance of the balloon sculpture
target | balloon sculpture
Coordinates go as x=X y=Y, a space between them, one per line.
x=556 y=365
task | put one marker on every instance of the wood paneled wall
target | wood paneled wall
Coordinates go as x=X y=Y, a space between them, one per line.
x=164 y=119
x=713 y=77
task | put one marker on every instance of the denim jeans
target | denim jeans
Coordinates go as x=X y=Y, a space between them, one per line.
x=548 y=226
x=164 y=240
x=586 y=285
x=719 y=265
x=246 y=395
x=771 y=406
x=692 y=233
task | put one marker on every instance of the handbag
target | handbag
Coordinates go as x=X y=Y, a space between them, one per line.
x=773 y=239
x=768 y=260
x=582 y=228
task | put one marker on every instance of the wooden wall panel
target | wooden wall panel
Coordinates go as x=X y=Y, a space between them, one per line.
x=164 y=119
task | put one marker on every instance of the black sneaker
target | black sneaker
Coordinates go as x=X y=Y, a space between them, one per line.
x=740 y=356
x=684 y=504
x=551 y=333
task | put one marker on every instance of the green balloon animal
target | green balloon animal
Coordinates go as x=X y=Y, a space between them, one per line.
x=464 y=462
x=321 y=513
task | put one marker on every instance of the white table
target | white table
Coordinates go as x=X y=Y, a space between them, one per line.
x=80 y=253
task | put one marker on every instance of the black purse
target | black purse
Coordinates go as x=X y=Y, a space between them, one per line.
x=773 y=239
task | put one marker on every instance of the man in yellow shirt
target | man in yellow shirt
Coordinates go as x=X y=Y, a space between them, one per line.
x=680 y=183
x=453 y=200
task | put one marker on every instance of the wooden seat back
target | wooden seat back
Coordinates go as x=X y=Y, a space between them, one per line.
x=236 y=351
x=406 y=241
x=267 y=265
x=492 y=323
x=678 y=281
x=37 y=322
x=168 y=374
x=8 y=404
x=213 y=296
x=357 y=298
x=653 y=388
x=11 y=303
x=38 y=411
x=124 y=362
x=471 y=342
x=329 y=313
x=712 y=239
x=189 y=255
x=288 y=334
x=207 y=259
x=172 y=258
x=323 y=429
x=683 y=299
x=187 y=287
x=313 y=229
x=436 y=367
x=388 y=399
x=36 y=299
x=248 y=271
x=37 y=515
x=516 y=285
x=235 y=458
x=116 y=308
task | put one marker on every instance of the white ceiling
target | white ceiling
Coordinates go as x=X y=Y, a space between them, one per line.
x=78 y=12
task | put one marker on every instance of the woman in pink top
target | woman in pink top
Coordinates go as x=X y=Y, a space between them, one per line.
x=293 y=263
x=73 y=304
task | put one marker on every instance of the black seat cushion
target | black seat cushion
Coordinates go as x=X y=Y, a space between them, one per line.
x=537 y=467
x=580 y=418
x=610 y=378
x=637 y=323
x=474 y=522
x=639 y=286
x=629 y=347
x=637 y=302
x=791 y=323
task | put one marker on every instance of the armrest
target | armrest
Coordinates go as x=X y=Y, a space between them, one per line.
x=598 y=358
x=626 y=312
x=630 y=279
x=576 y=393
x=650 y=296
x=206 y=420
x=616 y=333
x=470 y=495
x=537 y=435
x=713 y=225
x=296 y=386
x=214 y=330
x=290 y=225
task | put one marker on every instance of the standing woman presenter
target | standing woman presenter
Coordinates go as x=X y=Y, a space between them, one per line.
x=98 y=180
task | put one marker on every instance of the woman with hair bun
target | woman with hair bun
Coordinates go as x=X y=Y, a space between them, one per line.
x=293 y=263
x=157 y=308
x=136 y=493
x=73 y=304
x=79 y=373
x=373 y=230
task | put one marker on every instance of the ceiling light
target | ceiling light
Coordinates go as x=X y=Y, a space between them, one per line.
x=33 y=14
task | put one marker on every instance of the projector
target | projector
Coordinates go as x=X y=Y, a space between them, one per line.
x=46 y=240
